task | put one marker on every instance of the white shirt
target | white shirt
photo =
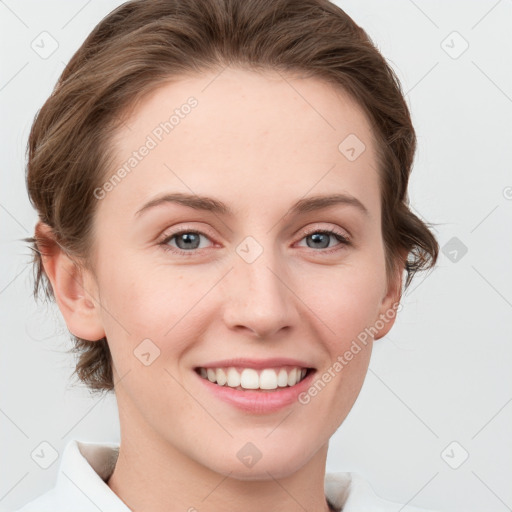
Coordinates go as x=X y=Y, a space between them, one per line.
x=85 y=467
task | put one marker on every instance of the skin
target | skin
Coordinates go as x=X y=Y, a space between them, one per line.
x=259 y=145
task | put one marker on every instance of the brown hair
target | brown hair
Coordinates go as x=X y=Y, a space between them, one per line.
x=142 y=44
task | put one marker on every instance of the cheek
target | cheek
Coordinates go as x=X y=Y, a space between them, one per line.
x=155 y=302
x=346 y=298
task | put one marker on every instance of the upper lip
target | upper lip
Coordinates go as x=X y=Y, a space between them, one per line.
x=256 y=363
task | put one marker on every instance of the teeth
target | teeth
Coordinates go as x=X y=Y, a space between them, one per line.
x=282 y=378
x=292 y=377
x=221 y=376
x=268 y=379
x=249 y=378
x=233 y=378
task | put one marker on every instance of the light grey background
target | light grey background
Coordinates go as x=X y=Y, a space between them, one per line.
x=441 y=375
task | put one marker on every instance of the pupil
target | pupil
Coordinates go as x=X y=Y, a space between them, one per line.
x=317 y=237
x=188 y=239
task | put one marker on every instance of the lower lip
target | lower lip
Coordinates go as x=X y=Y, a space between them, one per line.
x=259 y=402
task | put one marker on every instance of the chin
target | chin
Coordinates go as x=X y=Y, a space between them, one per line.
x=273 y=462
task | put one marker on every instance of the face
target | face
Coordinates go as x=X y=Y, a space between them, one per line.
x=267 y=281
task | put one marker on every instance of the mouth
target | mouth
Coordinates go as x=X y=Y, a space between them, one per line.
x=241 y=378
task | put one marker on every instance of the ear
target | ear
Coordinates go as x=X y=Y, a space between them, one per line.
x=74 y=288
x=391 y=300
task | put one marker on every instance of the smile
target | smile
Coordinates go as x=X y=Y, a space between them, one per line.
x=250 y=378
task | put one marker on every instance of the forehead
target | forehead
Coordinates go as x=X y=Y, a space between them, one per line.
x=266 y=135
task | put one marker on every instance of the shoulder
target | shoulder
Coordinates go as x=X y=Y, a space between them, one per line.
x=81 y=481
x=351 y=492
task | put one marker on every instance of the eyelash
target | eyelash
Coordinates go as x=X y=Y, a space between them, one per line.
x=343 y=239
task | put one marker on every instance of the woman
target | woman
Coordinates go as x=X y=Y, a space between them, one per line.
x=224 y=225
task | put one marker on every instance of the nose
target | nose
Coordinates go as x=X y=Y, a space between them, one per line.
x=259 y=297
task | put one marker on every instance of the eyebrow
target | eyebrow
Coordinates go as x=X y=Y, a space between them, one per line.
x=210 y=204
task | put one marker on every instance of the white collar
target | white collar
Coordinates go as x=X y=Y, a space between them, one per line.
x=85 y=467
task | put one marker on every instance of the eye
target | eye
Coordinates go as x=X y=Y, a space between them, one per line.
x=320 y=240
x=187 y=242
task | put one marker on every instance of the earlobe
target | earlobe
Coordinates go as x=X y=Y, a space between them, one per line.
x=70 y=283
